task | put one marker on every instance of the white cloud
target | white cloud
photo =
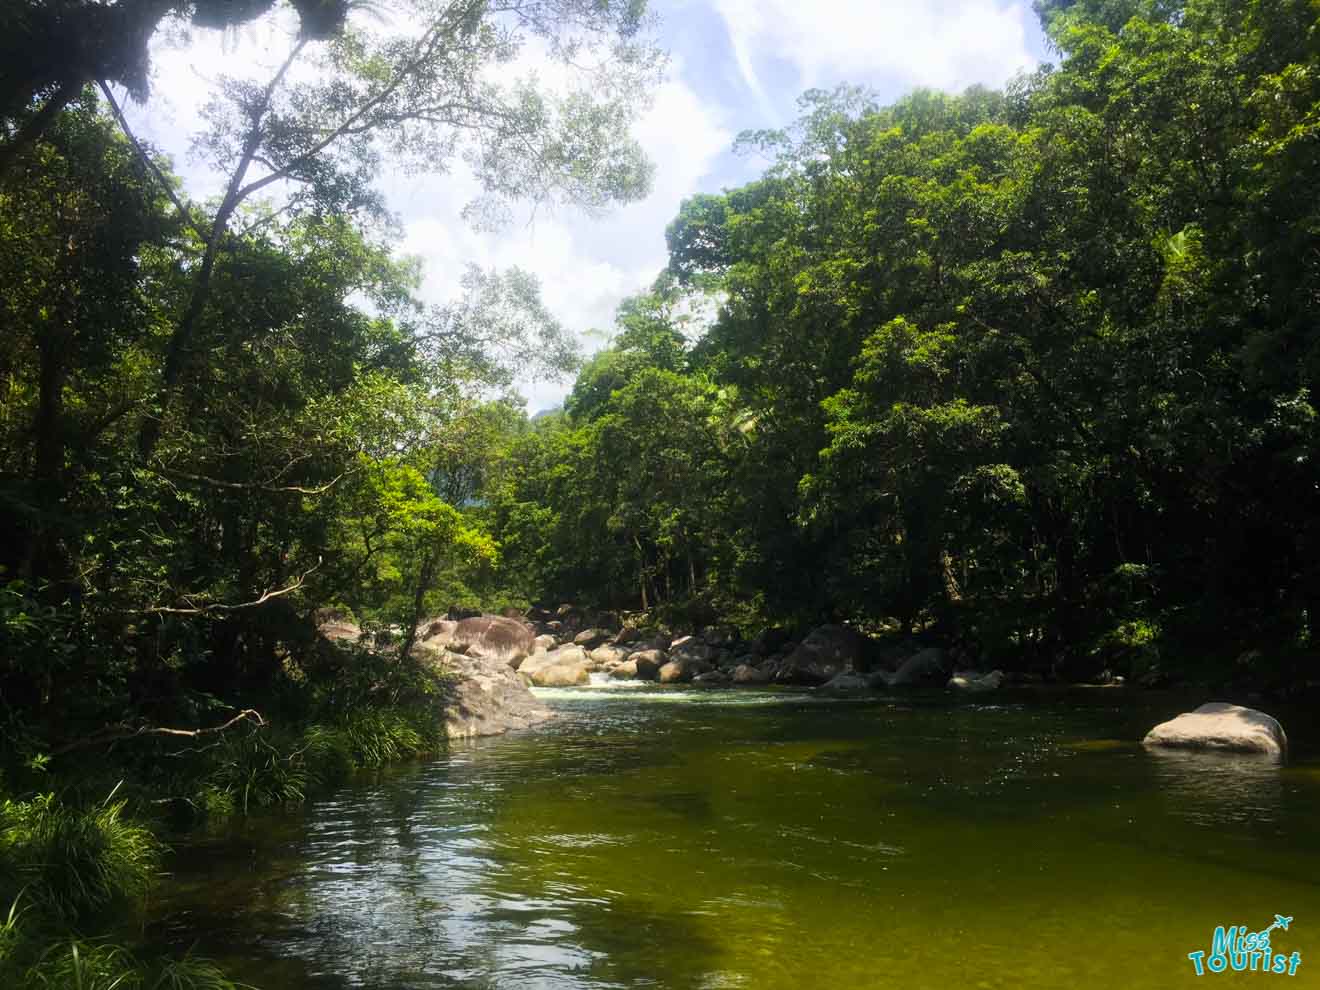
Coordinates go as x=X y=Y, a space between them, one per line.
x=946 y=44
x=586 y=265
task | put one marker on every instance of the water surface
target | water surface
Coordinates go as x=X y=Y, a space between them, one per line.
x=687 y=838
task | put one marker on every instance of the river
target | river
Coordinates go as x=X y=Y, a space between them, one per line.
x=687 y=838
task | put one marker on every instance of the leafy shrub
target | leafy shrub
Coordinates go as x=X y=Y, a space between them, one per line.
x=75 y=862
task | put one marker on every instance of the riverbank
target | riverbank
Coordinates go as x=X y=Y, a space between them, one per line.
x=460 y=679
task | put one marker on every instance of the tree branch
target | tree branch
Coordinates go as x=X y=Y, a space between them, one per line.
x=256 y=485
x=116 y=732
x=426 y=48
x=222 y=607
x=150 y=162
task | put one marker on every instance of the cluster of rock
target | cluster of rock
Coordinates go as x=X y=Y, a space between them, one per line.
x=491 y=661
x=485 y=696
x=570 y=645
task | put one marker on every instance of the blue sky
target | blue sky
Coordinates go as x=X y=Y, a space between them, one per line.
x=735 y=65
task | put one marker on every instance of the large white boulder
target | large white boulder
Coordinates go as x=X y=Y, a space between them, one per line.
x=1221 y=726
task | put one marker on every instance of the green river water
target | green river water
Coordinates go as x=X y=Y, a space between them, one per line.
x=687 y=838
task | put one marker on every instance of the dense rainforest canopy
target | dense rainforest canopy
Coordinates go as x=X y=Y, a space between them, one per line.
x=1028 y=369
x=1031 y=369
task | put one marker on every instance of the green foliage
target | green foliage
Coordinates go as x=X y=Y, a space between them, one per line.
x=74 y=863
x=82 y=965
x=1034 y=369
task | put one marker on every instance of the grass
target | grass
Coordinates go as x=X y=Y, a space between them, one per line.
x=66 y=862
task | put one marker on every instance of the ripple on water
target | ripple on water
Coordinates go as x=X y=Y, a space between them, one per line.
x=771 y=839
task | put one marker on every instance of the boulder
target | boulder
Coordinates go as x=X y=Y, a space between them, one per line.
x=681 y=670
x=711 y=677
x=827 y=651
x=483 y=696
x=926 y=665
x=974 y=682
x=720 y=635
x=628 y=634
x=340 y=630
x=1222 y=727
x=647 y=663
x=745 y=673
x=492 y=637
x=846 y=683
x=691 y=648
x=544 y=644
x=569 y=654
x=562 y=675
x=589 y=639
x=441 y=630
x=570 y=618
x=609 y=655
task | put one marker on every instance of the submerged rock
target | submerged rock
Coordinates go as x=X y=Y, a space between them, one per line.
x=712 y=677
x=975 y=683
x=846 y=683
x=1224 y=727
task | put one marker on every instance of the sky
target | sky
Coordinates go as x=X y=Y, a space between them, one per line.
x=734 y=65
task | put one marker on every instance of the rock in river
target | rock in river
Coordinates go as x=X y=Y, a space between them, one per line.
x=846 y=683
x=644 y=665
x=1225 y=727
x=826 y=652
x=745 y=673
x=926 y=665
x=572 y=660
x=974 y=683
x=484 y=696
x=676 y=671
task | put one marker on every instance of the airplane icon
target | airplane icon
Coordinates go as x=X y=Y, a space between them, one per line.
x=1279 y=922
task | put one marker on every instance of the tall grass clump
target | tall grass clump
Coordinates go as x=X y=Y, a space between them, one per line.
x=77 y=964
x=380 y=736
x=74 y=862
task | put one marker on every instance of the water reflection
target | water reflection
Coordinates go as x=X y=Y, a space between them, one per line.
x=1214 y=788
x=726 y=839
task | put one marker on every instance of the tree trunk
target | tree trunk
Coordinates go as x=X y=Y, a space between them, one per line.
x=425 y=575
